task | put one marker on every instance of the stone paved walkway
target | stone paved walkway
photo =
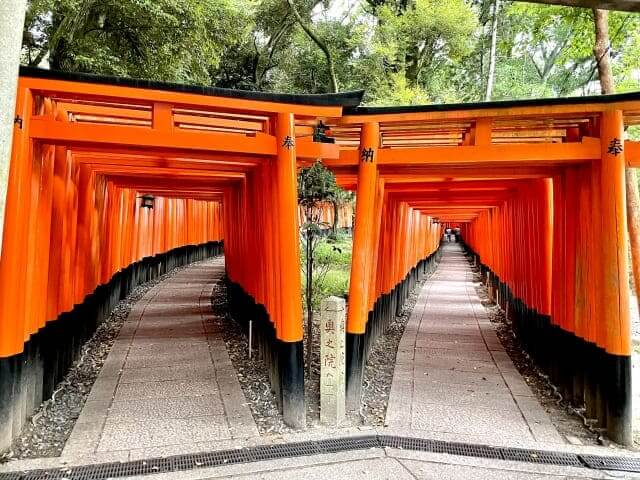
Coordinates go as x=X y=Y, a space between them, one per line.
x=168 y=385
x=453 y=376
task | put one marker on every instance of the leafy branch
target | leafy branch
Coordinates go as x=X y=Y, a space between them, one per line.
x=321 y=45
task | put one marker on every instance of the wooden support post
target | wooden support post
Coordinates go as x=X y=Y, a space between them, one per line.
x=571 y=224
x=615 y=279
x=596 y=395
x=291 y=364
x=362 y=262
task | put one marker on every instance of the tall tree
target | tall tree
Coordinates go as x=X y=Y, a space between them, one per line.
x=322 y=45
x=602 y=53
x=492 y=50
x=421 y=36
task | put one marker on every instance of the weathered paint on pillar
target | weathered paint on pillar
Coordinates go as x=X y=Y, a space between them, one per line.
x=12 y=14
x=291 y=365
x=332 y=361
x=363 y=257
x=362 y=260
x=547 y=227
x=287 y=196
x=615 y=278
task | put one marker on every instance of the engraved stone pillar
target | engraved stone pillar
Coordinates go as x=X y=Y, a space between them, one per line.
x=332 y=361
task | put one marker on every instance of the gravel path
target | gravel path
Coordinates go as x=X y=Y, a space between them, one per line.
x=46 y=433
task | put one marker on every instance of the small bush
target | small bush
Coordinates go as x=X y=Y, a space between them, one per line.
x=332 y=268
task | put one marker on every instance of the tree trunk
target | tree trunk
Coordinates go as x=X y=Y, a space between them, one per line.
x=492 y=53
x=633 y=207
x=607 y=85
x=333 y=80
x=309 y=299
x=601 y=50
x=336 y=213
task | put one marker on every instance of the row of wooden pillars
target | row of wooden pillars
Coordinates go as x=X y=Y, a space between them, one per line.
x=394 y=246
x=568 y=244
x=557 y=256
x=263 y=266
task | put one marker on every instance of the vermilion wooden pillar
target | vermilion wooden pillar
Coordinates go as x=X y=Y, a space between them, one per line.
x=595 y=395
x=362 y=260
x=615 y=278
x=291 y=365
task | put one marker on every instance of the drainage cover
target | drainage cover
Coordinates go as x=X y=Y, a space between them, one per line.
x=179 y=463
x=540 y=456
x=612 y=463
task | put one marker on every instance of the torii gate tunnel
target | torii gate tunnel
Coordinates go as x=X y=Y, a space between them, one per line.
x=537 y=188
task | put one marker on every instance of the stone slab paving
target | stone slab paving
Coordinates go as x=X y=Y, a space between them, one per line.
x=453 y=376
x=168 y=384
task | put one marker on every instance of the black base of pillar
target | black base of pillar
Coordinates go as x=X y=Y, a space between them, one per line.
x=7 y=403
x=591 y=380
x=28 y=378
x=619 y=414
x=601 y=373
x=291 y=367
x=354 y=369
x=284 y=360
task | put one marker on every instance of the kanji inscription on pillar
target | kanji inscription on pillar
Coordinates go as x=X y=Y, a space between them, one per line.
x=332 y=361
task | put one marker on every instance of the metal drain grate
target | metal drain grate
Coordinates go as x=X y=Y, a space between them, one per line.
x=624 y=464
x=408 y=443
x=539 y=456
x=213 y=459
x=285 y=450
x=466 y=449
x=332 y=445
x=179 y=463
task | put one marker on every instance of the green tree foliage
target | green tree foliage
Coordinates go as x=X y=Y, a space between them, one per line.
x=399 y=51
x=173 y=40
x=424 y=36
x=547 y=51
x=316 y=186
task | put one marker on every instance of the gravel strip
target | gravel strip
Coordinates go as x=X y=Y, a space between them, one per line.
x=635 y=317
x=254 y=378
x=562 y=415
x=46 y=432
x=378 y=373
x=252 y=373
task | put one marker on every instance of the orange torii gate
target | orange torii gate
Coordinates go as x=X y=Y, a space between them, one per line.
x=535 y=186
x=213 y=163
x=538 y=186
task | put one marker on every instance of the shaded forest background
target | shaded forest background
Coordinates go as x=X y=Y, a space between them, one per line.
x=398 y=51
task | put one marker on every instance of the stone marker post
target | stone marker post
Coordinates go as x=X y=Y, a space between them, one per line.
x=332 y=361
